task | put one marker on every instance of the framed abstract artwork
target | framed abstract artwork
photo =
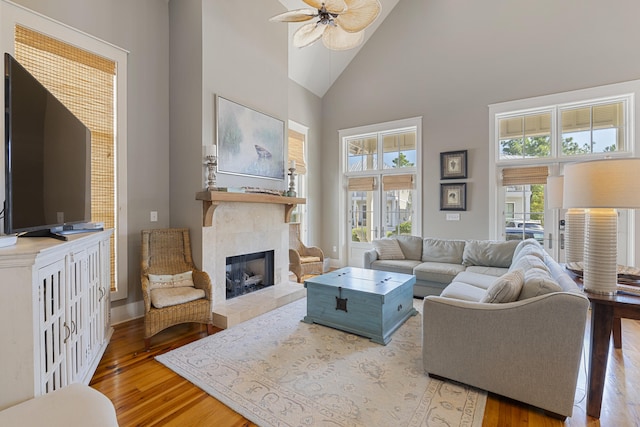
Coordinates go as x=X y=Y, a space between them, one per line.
x=249 y=142
x=453 y=164
x=453 y=197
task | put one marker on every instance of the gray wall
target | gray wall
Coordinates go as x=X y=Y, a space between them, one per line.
x=142 y=28
x=448 y=60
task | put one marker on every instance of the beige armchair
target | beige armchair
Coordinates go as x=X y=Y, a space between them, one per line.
x=174 y=290
x=303 y=260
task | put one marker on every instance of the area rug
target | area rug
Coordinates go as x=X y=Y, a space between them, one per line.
x=278 y=371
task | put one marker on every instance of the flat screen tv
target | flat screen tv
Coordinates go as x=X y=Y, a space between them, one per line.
x=47 y=158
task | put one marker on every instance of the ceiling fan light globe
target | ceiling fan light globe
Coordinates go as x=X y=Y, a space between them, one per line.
x=298 y=15
x=308 y=34
x=359 y=15
x=335 y=38
x=331 y=6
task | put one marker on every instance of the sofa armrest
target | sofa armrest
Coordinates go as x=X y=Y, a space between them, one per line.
x=527 y=350
x=370 y=256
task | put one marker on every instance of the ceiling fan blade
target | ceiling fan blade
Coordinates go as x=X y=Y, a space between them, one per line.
x=297 y=15
x=335 y=38
x=359 y=15
x=308 y=34
x=332 y=6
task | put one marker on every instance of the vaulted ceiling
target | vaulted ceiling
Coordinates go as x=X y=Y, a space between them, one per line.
x=315 y=67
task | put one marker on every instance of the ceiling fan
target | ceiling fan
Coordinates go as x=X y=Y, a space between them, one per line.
x=340 y=23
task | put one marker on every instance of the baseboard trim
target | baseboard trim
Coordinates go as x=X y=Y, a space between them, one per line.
x=126 y=312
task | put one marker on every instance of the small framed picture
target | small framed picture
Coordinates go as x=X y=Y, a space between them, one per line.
x=453 y=197
x=453 y=164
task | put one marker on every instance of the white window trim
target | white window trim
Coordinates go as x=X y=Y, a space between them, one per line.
x=342 y=184
x=302 y=187
x=629 y=90
x=12 y=14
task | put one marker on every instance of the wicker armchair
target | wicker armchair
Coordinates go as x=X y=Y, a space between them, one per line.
x=168 y=252
x=303 y=260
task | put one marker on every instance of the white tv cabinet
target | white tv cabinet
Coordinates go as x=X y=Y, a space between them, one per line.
x=54 y=313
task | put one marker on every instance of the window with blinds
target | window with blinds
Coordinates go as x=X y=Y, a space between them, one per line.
x=85 y=84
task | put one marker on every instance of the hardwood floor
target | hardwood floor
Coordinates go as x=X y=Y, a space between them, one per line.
x=145 y=393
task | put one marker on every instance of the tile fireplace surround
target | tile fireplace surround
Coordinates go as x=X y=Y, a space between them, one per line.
x=241 y=228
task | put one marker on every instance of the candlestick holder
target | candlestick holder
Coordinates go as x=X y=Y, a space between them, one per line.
x=212 y=163
x=292 y=183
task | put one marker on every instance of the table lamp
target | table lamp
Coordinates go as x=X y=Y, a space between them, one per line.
x=600 y=187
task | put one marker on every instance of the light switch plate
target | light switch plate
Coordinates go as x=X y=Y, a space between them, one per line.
x=453 y=217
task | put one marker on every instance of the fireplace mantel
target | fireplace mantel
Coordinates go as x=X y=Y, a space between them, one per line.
x=212 y=199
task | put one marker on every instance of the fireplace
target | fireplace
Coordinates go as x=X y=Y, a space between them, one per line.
x=247 y=228
x=249 y=273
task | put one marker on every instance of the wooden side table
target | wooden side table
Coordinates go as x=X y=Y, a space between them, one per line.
x=606 y=314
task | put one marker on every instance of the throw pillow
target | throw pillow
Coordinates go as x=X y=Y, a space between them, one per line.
x=506 y=288
x=538 y=282
x=388 y=249
x=180 y=280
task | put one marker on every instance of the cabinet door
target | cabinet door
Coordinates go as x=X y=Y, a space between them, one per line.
x=105 y=271
x=76 y=316
x=95 y=295
x=55 y=331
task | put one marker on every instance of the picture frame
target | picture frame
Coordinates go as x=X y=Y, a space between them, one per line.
x=453 y=164
x=453 y=197
x=249 y=142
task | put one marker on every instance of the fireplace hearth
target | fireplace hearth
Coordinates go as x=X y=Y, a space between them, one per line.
x=248 y=273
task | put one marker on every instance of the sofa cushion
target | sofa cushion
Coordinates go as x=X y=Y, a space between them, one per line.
x=160 y=281
x=439 y=272
x=463 y=291
x=528 y=247
x=388 y=249
x=506 y=288
x=527 y=262
x=489 y=252
x=411 y=246
x=166 y=297
x=441 y=250
x=491 y=271
x=482 y=281
x=405 y=266
x=538 y=282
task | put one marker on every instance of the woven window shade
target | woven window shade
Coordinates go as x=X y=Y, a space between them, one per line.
x=367 y=183
x=296 y=151
x=523 y=176
x=397 y=182
x=84 y=83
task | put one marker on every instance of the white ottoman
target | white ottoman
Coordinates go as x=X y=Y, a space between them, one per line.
x=73 y=405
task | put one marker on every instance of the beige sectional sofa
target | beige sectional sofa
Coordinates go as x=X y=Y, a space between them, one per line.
x=435 y=262
x=516 y=330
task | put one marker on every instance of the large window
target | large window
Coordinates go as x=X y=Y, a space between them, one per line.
x=532 y=139
x=381 y=177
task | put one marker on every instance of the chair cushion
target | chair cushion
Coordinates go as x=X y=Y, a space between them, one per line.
x=308 y=259
x=388 y=249
x=506 y=288
x=166 y=297
x=180 y=280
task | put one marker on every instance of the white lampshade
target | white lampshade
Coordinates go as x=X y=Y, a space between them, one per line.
x=554 y=192
x=600 y=187
x=612 y=183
